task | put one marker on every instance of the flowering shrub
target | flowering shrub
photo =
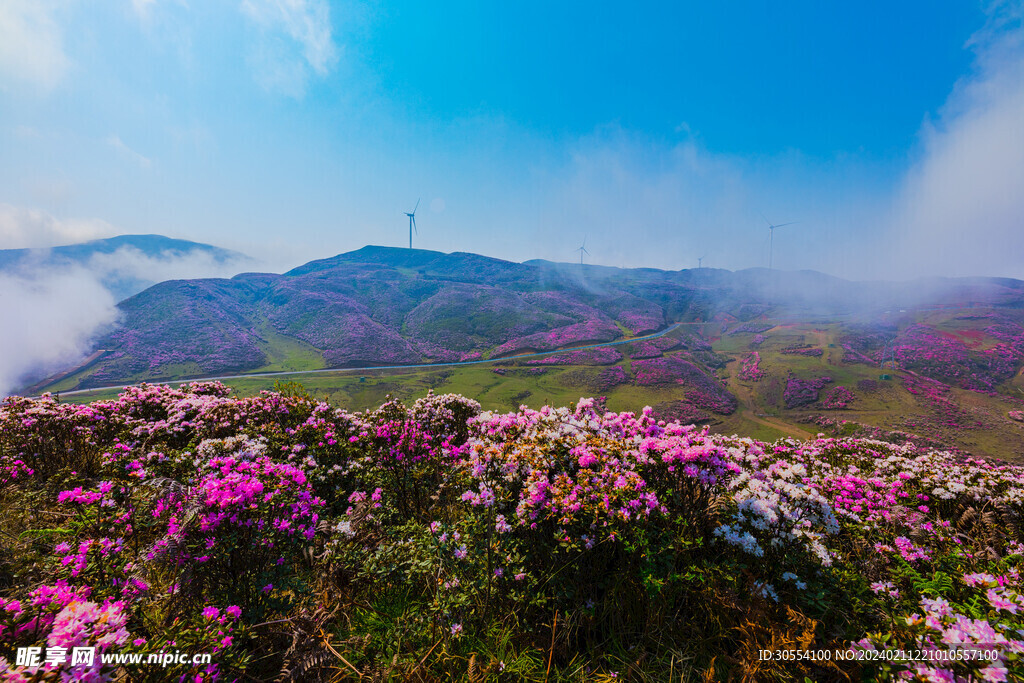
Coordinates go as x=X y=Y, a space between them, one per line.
x=520 y=372
x=642 y=322
x=751 y=328
x=867 y=385
x=749 y=368
x=837 y=398
x=701 y=390
x=592 y=331
x=853 y=356
x=682 y=412
x=280 y=534
x=233 y=532
x=604 y=355
x=813 y=352
x=643 y=349
x=948 y=414
x=609 y=378
x=801 y=392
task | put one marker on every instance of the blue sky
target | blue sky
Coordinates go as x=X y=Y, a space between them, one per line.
x=298 y=129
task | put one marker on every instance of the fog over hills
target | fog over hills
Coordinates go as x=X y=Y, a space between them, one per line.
x=54 y=301
x=393 y=306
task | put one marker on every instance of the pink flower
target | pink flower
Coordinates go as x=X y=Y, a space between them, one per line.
x=994 y=672
x=980 y=579
x=998 y=602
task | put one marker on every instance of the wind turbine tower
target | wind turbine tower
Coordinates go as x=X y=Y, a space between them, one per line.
x=583 y=250
x=412 y=222
x=771 y=237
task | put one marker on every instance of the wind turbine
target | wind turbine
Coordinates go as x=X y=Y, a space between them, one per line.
x=771 y=236
x=412 y=221
x=583 y=249
x=700 y=261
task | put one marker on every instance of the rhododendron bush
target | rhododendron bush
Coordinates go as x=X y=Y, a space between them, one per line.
x=294 y=540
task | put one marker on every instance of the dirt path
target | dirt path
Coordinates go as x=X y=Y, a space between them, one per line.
x=743 y=395
x=784 y=427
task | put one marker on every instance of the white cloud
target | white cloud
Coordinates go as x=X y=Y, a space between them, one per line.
x=32 y=228
x=961 y=208
x=50 y=320
x=129 y=262
x=142 y=7
x=31 y=47
x=127 y=152
x=294 y=43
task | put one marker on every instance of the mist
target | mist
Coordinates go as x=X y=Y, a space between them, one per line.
x=54 y=313
x=50 y=319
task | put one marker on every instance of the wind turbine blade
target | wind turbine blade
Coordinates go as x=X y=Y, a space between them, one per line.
x=416 y=207
x=415 y=229
x=765 y=219
x=785 y=224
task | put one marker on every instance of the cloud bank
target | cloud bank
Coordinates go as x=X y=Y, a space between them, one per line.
x=960 y=210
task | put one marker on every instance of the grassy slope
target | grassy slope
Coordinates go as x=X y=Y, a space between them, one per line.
x=761 y=413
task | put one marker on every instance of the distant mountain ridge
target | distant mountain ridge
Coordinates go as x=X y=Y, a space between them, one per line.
x=150 y=245
x=388 y=306
x=120 y=282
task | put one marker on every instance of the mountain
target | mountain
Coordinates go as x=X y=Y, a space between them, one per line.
x=122 y=262
x=391 y=306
